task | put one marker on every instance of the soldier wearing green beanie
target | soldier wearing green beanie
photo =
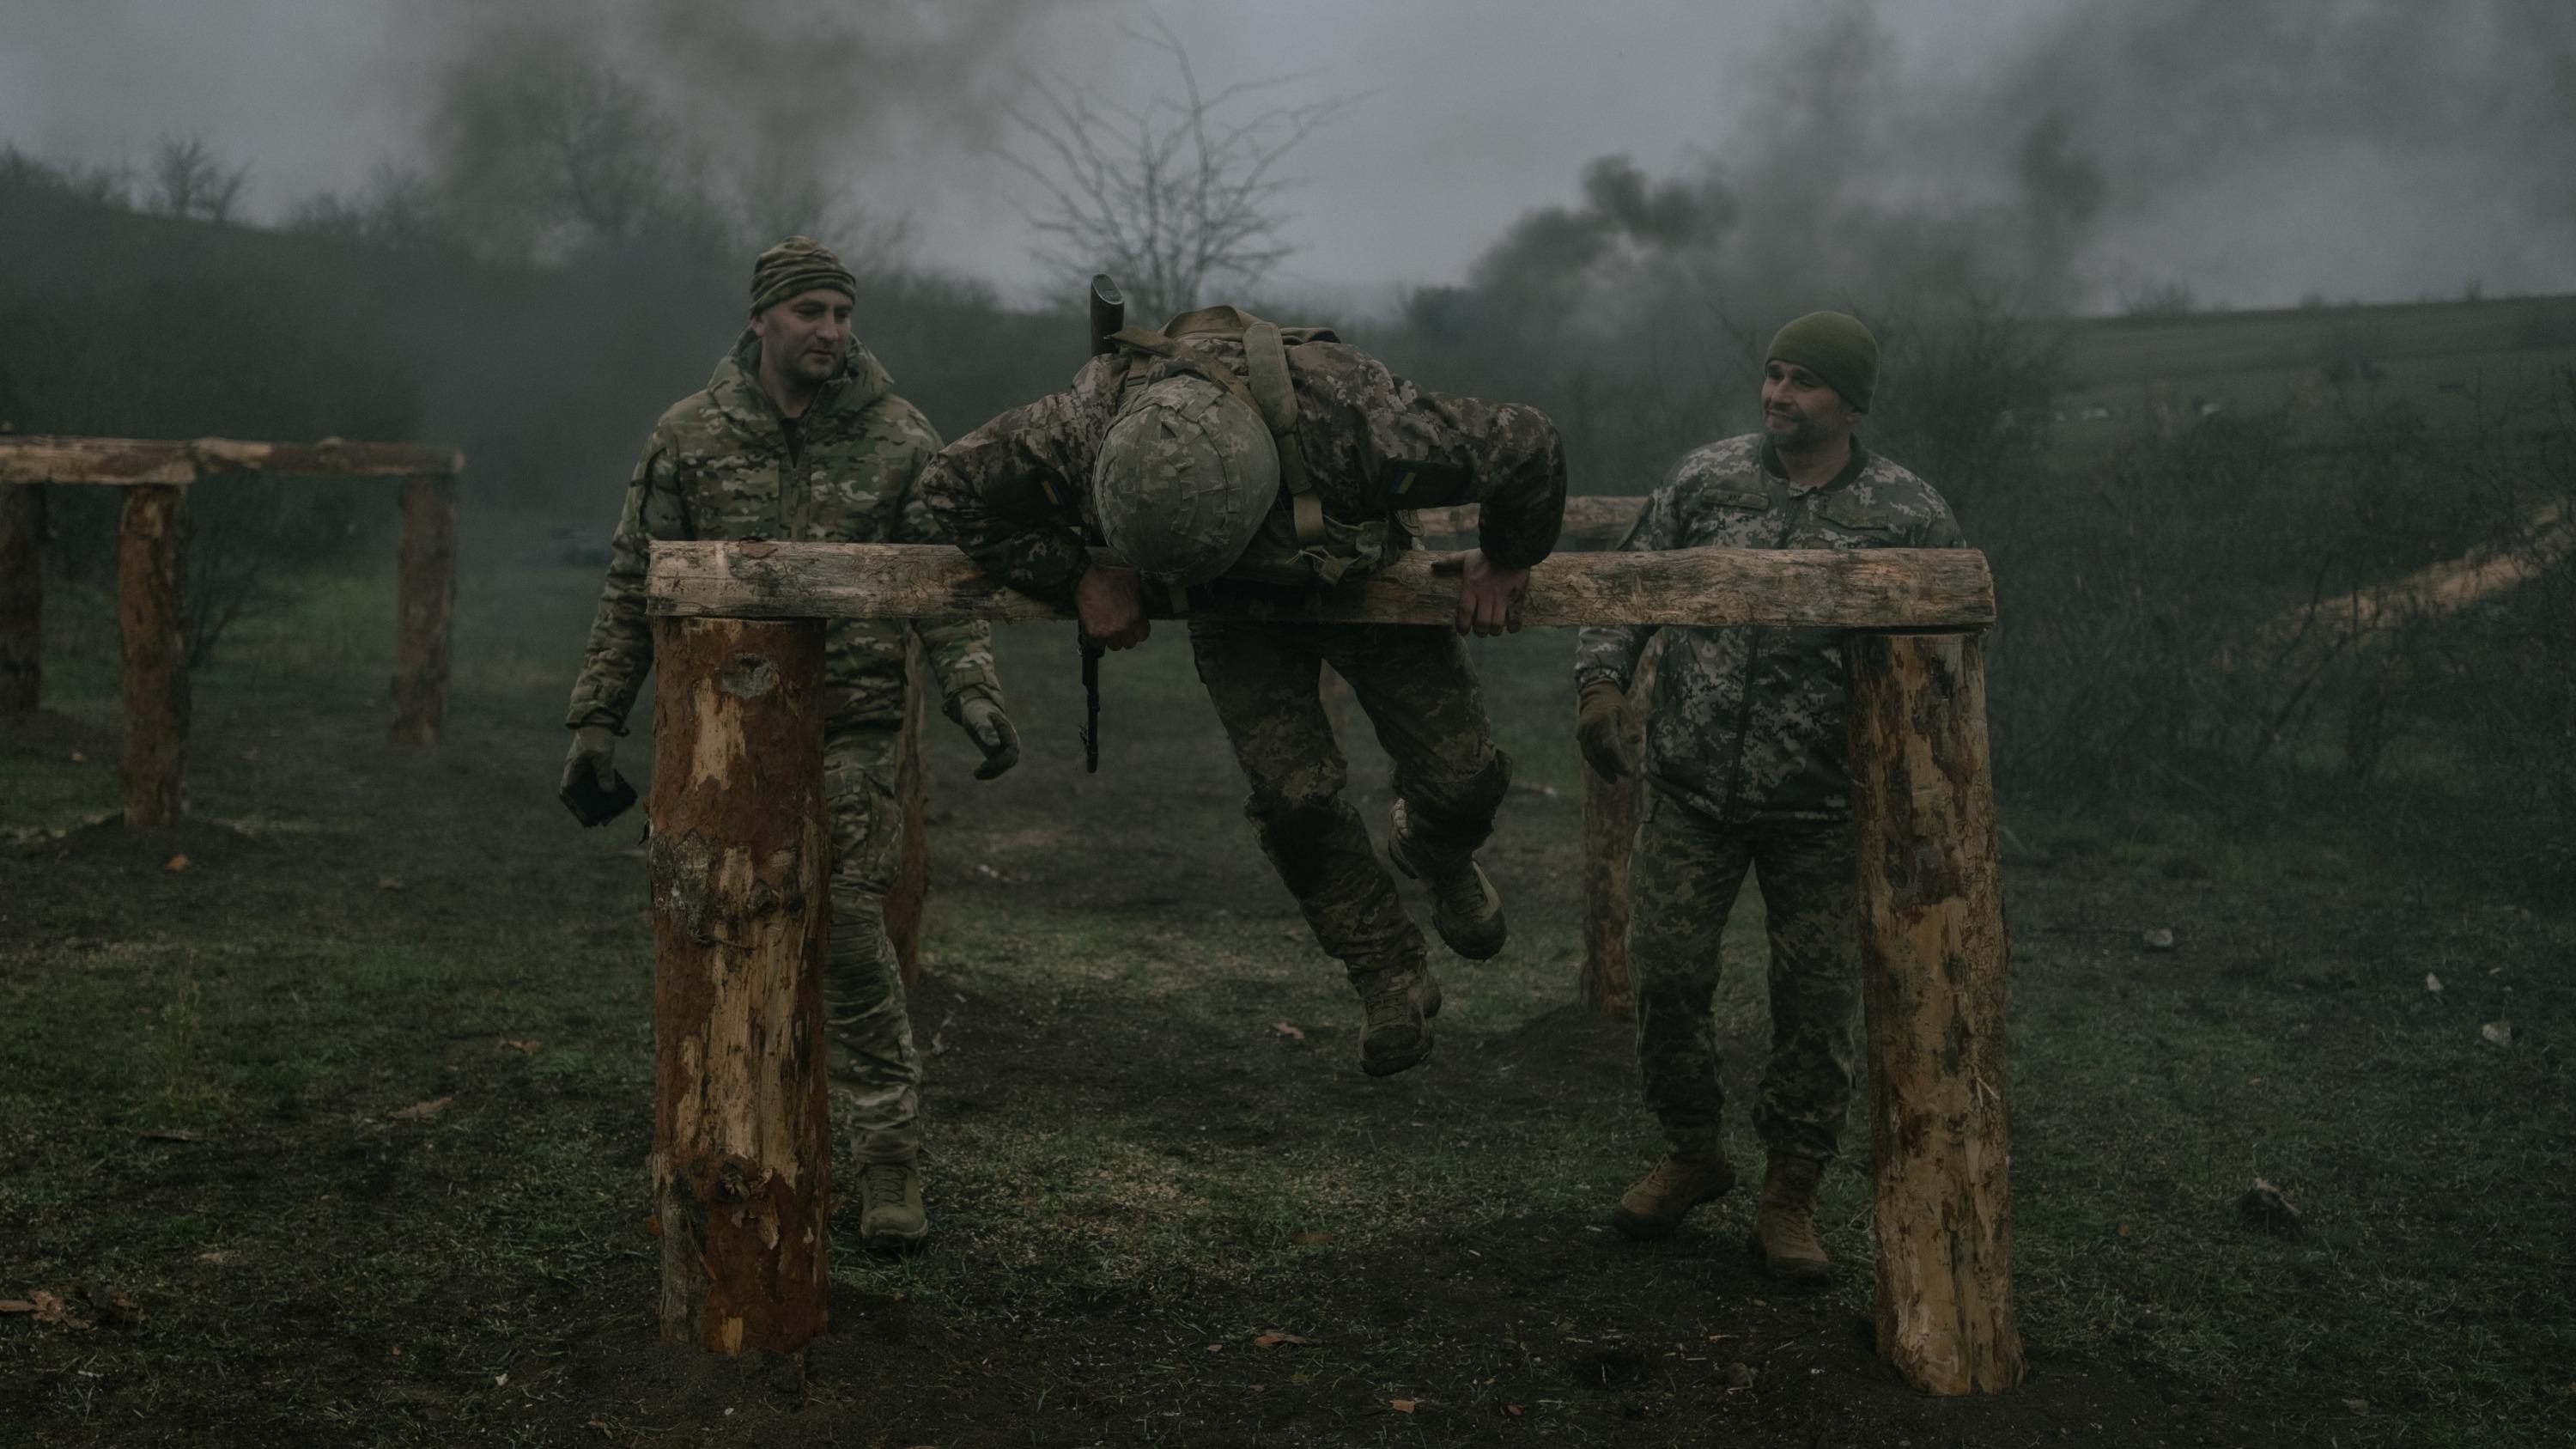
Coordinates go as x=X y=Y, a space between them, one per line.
x=800 y=435
x=1745 y=763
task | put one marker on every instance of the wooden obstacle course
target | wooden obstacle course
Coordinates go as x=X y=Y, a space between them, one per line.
x=1935 y=951
x=152 y=575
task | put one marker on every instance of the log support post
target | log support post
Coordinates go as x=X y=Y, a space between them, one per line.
x=22 y=596
x=741 y=1164
x=151 y=621
x=908 y=899
x=1611 y=810
x=424 y=608
x=1933 y=956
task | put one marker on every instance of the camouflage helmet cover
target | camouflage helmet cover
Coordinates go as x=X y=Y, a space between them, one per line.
x=1185 y=476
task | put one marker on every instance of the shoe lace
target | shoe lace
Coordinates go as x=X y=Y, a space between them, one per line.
x=883 y=1183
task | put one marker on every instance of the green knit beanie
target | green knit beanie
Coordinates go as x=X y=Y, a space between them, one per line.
x=1834 y=346
x=798 y=264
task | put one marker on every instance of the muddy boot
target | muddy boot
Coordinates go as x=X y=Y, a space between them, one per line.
x=1784 y=1222
x=1666 y=1195
x=1400 y=1001
x=1465 y=908
x=890 y=1215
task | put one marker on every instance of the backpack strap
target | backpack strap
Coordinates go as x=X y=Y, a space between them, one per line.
x=1265 y=361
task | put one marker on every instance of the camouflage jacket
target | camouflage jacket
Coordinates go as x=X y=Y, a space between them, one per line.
x=1747 y=724
x=1016 y=492
x=723 y=464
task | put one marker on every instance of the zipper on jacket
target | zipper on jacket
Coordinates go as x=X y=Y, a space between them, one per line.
x=1744 y=686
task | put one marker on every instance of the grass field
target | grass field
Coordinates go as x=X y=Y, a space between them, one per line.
x=1151 y=1142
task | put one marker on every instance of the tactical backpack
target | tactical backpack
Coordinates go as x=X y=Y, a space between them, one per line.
x=1299 y=545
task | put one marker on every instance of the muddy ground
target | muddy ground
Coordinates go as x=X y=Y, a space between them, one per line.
x=1167 y=1207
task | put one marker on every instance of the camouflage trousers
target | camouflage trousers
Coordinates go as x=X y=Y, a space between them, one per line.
x=1419 y=694
x=876 y=1073
x=1684 y=876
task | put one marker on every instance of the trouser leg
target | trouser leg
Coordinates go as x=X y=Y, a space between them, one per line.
x=1263 y=680
x=1683 y=877
x=1421 y=696
x=875 y=1068
x=1811 y=895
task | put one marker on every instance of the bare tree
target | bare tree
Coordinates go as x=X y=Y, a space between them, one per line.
x=1172 y=195
x=189 y=181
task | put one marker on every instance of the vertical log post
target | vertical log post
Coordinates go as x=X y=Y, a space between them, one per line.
x=908 y=899
x=1611 y=810
x=741 y=1164
x=22 y=596
x=1933 y=954
x=424 y=608
x=151 y=619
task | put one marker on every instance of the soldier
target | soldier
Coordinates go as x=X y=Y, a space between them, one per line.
x=1222 y=456
x=799 y=435
x=1745 y=757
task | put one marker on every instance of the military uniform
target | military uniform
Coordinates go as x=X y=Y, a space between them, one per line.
x=726 y=464
x=1745 y=757
x=1017 y=495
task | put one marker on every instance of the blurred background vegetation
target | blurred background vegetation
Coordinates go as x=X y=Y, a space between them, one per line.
x=2308 y=561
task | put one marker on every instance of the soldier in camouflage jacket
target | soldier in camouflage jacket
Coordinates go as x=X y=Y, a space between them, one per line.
x=1745 y=759
x=1022 y=495
x=732 y=463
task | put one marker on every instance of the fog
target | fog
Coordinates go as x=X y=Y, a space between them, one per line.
x=2081 y=150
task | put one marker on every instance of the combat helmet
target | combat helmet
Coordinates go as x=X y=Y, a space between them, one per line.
x=1185 y=476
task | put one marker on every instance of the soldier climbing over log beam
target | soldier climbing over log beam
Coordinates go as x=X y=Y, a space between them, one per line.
x=799 y=436
x=1224 y=456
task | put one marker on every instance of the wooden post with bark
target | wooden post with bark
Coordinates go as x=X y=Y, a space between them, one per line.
x=908 y=899
x=152 y=626
x=1933 y=956
x=1611 y=811
x=22 y=596
x=741 y=1164
x=424 y=608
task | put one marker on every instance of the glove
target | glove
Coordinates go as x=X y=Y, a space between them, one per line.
x=991 y=730
x=1601 y=728
x=594 y=753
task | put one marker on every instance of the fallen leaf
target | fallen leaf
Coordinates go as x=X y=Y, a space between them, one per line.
x=2159 y=939
x=170 y=1134
x=16 y=1305
x=1216 y=1348
x=421 y=1111
x=2498 y=1032
x=1273 y=1340
x=528 y=1045
x=390 y=883
x=2358 y=1406
x=2432 y=983
x=1401 y=1406
x=1310 y=1238
x=1290 y=1032
x=1512 y=1409
x=500 y=1381
x=2124 y=1230
x=49 y=1309
x=1737 y=1375
x=2269 y=1210
x=79 y=759
x=176 y=862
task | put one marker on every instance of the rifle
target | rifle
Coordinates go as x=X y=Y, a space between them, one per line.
x=1108 y=314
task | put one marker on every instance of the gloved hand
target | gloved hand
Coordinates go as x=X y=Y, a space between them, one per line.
x=991 y=730
x=1601 y=728
x=594 y=753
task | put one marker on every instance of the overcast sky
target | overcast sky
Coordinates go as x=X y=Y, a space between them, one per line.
x=2255 y=151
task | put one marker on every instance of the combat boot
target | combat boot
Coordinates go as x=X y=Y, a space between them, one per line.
x=1465 y=908
x=1400 y=1002
x=1664 y=1196
x=890 y=1215
x=1784 y=1222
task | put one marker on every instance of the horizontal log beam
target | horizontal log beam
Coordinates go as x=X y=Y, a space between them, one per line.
x=132 y=461
x=1590 y=523
x=1881 y=588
